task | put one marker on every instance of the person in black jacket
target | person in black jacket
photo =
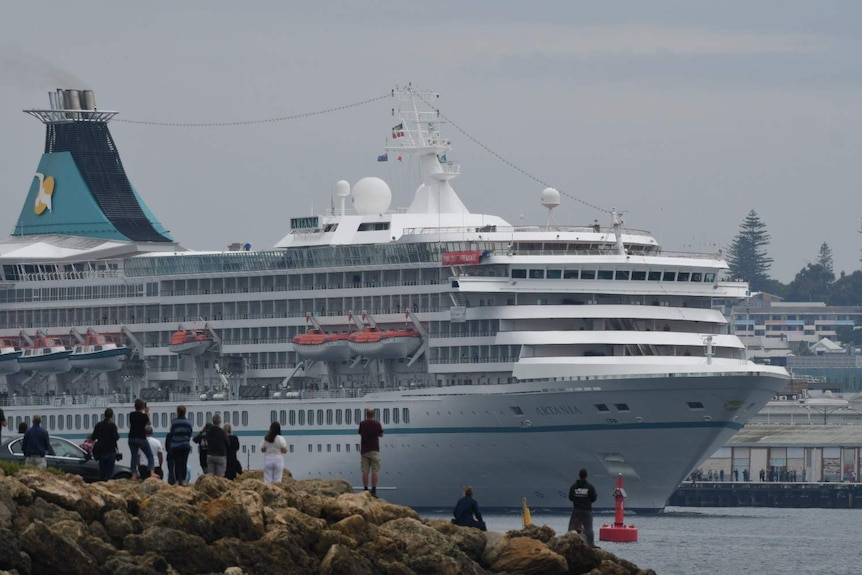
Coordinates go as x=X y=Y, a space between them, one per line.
x=217 y=447
x=105 y=438
x=201 y=440
x=467 y=513
x=582 y=494
x=233 y=464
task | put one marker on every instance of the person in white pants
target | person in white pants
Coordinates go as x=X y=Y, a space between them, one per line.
x=273 y=448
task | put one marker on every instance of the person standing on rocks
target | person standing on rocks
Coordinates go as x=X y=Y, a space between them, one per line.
x=233 y=465
x=138 y=422
x=217 y=446
x=105 y=438
x=371 y=432
x=273 y=448
x=180 y=444
x=582 y=494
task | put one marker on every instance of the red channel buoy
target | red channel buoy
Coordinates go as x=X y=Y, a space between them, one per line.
x=619 y=532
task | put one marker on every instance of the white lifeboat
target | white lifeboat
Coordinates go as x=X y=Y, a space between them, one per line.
x=99 y=353
x=46 y=355
x=315 y=344
x=10 y=351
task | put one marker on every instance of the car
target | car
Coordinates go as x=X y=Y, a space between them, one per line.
x=65 y=456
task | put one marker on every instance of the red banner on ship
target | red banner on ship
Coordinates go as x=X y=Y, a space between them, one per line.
x=461 y=258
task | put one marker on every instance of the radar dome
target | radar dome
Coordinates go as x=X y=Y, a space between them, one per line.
x=371 y=196
x=342 y=188
x=550 y=198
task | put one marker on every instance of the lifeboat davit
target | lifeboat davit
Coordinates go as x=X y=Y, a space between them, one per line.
x=46 y=355
x=9 y=354
x=190 y=342
x=385 y=344
x=315 y=344
x=99 y=353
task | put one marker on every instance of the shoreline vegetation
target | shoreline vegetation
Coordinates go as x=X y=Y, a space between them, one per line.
x=58 y=524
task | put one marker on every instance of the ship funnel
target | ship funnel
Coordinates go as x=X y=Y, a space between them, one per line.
x=72 y=100
x=88 y=100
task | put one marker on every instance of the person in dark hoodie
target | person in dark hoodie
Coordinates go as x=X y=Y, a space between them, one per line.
x=582 y=494
x=466 y=512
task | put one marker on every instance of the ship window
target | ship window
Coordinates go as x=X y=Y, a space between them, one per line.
x=301 y=415
x=245 y=418
x=52 y=422
x=87 y=421
x=537 y=274
x=319 y=417
x=709 y=278
x=682 y=276
x=60 y=422
x=282 y=417
x=310 y=448
x=337 y=448
x=395 y=415
x=291 y=417
x=606 y=274
x=328 y=448
x=602 y=407
x=348 y=417
x=669 y=276
x=357 y=415
x=309 y=416
x=588 y=274
x=406 y=413
x=696 y=277
x=338 y=416
x=347 y=448
x=554 y=274
x=570 y=274
x=622 y=275
x=695 y=405
x=654 y=276
x=386 y=415
x=517 y=410
x=319 y=448
x=373 y=226
x=78 y=421
x=622 y=407
x=519 y=274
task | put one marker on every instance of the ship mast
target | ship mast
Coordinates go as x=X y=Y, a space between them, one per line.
x=415 y=133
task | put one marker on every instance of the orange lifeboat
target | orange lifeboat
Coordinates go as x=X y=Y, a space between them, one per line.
x=190 y=342
x=385 y=344
x=318 y=345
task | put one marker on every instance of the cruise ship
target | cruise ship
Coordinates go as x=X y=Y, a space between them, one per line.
x=498 y=356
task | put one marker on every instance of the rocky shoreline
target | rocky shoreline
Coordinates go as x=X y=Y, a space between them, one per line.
x=61 y=525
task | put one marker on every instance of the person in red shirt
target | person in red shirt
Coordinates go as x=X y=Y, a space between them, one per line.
x=371 y=431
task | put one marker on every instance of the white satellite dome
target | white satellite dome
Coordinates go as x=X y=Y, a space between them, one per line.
x=550 y=198
x=342 y=188
x=371 y=196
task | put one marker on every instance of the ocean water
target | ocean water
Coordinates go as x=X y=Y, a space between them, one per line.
x=725 y=541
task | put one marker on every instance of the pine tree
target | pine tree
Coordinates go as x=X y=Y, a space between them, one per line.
x=747 y=257
x=824 y=258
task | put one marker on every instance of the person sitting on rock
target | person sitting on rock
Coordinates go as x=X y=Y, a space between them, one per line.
x=467 y=511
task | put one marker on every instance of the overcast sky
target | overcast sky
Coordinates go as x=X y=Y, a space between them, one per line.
x=686 y=115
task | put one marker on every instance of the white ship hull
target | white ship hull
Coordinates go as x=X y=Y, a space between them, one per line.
x=476 y=436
